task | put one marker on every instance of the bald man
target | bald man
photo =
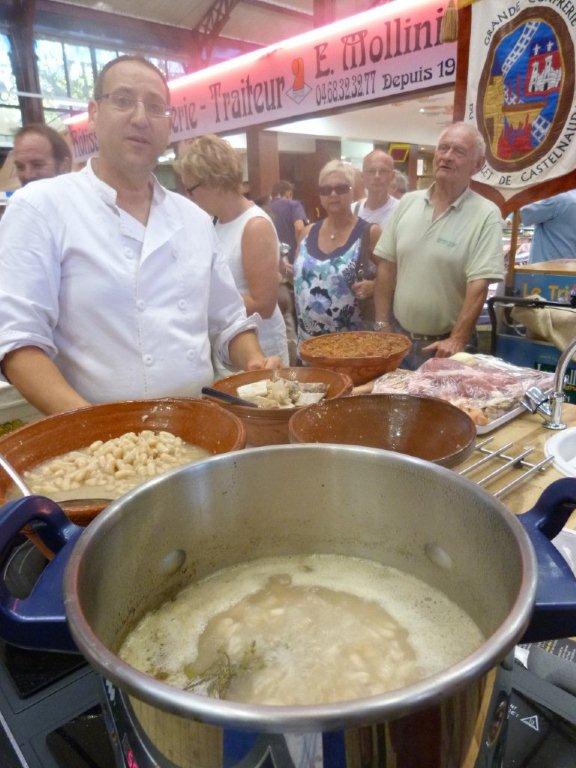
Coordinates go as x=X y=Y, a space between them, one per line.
x=377 y=175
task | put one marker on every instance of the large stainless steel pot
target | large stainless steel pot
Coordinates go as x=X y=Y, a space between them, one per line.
x=410 y=514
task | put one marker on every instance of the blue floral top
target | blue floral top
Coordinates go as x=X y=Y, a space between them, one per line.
x=325 y=302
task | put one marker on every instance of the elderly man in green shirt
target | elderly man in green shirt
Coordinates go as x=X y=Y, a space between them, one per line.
x=439 y=252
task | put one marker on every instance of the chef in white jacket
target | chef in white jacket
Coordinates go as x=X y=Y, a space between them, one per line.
x=112 y=287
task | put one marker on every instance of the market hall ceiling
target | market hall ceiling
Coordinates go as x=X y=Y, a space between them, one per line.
x=260 y=22
x=253 y=23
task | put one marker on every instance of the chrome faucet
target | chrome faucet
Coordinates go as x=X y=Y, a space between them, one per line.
x=550 y=407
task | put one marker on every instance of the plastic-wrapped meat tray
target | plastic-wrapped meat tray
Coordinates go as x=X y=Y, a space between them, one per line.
x=487 y=388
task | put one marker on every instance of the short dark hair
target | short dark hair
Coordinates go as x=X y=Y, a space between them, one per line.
x=281 y=187
x=99 y=82
x=60 y=149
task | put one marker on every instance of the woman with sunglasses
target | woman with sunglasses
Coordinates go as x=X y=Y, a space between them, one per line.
x=212 y=174
x=333 y=270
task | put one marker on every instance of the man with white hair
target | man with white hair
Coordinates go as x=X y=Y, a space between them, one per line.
x=439 y=252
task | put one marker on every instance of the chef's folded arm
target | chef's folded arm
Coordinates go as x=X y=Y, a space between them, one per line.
x=245 y=353
x=38 y=379
x=29 y=301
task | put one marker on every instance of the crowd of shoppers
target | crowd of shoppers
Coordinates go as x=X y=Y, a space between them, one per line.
x=113 y=287
x=289 y=218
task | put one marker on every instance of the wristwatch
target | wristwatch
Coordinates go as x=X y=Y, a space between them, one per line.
x=381 y=325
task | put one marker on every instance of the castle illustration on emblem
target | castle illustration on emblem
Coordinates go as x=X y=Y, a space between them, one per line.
x=524 y=79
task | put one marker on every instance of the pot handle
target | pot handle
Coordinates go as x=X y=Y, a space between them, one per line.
x=555 y=607
x=39 y=620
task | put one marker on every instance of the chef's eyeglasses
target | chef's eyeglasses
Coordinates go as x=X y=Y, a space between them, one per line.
x=340 y=189
x=193 y=187
x=126 y=102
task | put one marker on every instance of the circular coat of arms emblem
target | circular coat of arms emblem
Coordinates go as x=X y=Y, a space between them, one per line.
x=526 y=89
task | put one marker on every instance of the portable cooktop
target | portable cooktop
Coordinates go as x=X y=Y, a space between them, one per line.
x=81 y=721
x=55 y=712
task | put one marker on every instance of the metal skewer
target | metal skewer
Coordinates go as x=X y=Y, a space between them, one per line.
x=534 y=468
x=513 y=461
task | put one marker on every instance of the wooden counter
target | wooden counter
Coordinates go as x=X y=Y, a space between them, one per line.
x=553 y=267
x=525 y=431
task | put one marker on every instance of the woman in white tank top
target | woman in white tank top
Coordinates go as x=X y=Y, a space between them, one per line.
x=212 y=173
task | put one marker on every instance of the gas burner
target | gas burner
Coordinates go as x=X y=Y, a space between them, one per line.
x=50 y=713
x=10 y=752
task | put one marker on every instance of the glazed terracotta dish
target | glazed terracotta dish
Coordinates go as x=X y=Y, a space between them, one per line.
x=362 y=355
x=267 y=426
x=196 y=421
x=425 y=427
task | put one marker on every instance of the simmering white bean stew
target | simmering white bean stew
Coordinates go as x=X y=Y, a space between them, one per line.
x=305 y=629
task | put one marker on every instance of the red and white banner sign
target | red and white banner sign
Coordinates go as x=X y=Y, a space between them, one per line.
x=386 y=51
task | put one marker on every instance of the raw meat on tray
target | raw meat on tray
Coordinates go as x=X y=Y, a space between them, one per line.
x=483 y=386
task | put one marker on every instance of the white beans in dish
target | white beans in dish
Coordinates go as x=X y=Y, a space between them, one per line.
x=109 y=469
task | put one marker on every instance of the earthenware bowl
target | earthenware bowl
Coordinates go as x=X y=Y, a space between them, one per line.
x=196 y=421
x=269 y=426
x=425 y=427
x=353 y=353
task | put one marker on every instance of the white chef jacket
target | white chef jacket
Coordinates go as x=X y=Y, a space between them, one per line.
x=125 y=311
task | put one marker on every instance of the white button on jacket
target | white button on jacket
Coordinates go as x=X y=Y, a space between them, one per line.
x=67 y=288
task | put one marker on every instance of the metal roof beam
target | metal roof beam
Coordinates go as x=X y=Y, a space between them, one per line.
x=284 y=11
x=209 y=27
x=215 y=18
